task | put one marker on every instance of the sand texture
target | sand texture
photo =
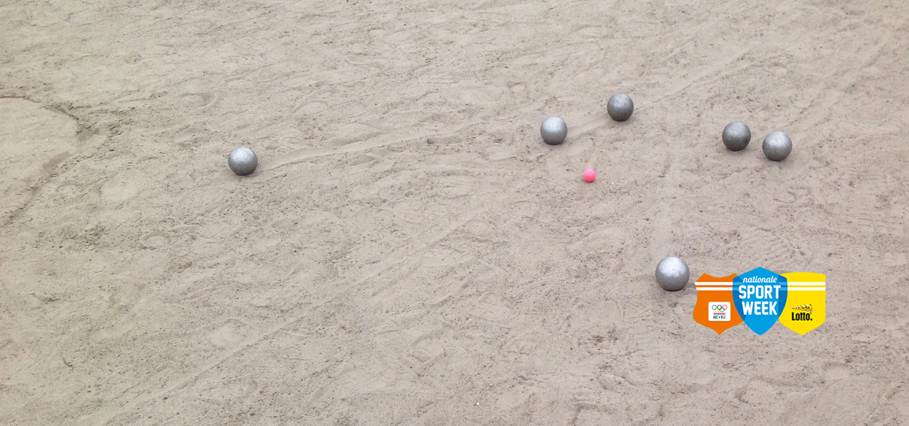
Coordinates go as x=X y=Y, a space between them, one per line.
x=409 y=251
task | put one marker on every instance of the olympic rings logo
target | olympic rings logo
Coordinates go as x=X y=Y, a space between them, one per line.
x=718 y=308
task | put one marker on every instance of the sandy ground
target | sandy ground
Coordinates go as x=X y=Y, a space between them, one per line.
x=409 y=251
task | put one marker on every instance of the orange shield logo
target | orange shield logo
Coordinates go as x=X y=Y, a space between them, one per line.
x=715 y=308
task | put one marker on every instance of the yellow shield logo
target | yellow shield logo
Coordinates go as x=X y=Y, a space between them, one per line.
x=806 y=307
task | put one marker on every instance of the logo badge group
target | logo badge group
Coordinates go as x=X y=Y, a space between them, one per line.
x=760 y=298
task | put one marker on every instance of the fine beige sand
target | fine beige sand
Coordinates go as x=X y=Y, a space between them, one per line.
x=409 y=252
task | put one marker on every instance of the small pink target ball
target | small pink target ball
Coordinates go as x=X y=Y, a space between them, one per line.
x=590 y=175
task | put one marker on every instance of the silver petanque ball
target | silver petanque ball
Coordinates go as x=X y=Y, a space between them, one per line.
x=672 y=274
x=777 y=146
x=736 y=136
x=620 y=107
x=242 y=161
x=554 y=130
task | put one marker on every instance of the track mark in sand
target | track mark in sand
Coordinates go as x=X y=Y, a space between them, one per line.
x=208 y=367
x=842 y=80
x=403 y=253
x=395 y=258
x=36 y=140
x=662 y=227
x=301 y=155
x=710 y=75
x=588 y=127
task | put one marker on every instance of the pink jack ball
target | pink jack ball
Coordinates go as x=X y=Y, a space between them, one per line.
x=590 y=175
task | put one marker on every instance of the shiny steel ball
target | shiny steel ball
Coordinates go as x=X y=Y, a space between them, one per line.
x=736 y=136
x=554 y=130
x=242 y=161
x=672 y=274
x=777 y=146
x=620 y=107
